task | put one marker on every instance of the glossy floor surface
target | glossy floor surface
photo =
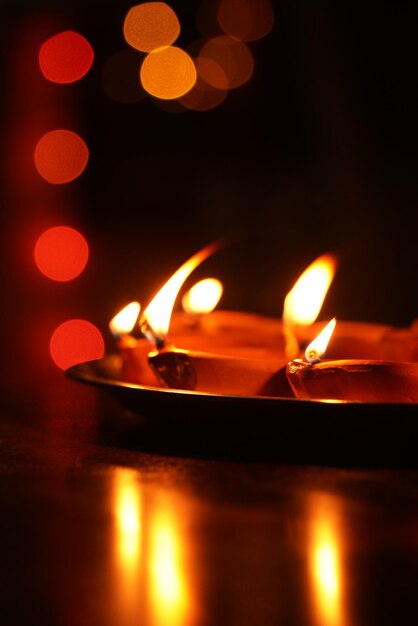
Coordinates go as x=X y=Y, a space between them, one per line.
x=94 y=533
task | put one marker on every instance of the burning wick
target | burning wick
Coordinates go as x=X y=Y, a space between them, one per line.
x=319 y=345
x=149 y=333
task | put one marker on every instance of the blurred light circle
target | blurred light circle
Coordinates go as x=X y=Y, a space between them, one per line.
x=61 y=156
x=204 y=96
x=168 y=73
x=211 y=72
x=61 y=253
x=247 y=20
x=233 y=56
x=120 y=77
x=65 y=57
x=151 y=25
x=75 y=341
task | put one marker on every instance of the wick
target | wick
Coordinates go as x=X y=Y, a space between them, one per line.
x=148 y=332
x=312 y=357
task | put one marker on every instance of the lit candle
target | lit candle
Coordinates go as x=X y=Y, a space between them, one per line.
x=358 y=380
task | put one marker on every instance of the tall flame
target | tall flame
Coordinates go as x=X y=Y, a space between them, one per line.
x=304 y=301
x=155 y=320
x=124 y=321
x=318 y=346
x=203 y=296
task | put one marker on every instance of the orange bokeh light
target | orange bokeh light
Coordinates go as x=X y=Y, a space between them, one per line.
x=168 y=73
x=65 y=57
x=203 y=97
x=151 y=25
x=232 y=56
x=247 y=20
x=75 y=341
x=60 y=156
x=61 y=253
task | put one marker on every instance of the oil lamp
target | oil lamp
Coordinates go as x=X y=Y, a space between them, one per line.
x=358 y=380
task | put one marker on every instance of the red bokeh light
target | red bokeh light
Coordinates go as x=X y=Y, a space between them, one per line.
x=61 y=253
x=65 y=57
x=75 y=341
x=61 y=156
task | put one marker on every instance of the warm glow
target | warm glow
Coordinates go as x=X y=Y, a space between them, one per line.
x=158 y=312
x=127 y=507
x=124 y=322
x=168 y=73
x=234 y=58
x=169 y=593
x=65 y=57
x=247 y=20
x=211 y=86
x=75 y=341
x=60 y=156
x=203 y=296
x=61 y=253
x=325 y=560
x=211 y=72
x=318 y=346
x=151 y=25
x=303 y=303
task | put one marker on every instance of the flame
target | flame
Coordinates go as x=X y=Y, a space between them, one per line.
x=203 y=296
x=124 y=321
x=304 y=301
x=318 y=346
x=157 y=315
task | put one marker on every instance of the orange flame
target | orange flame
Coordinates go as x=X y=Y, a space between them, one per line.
x=203 y=296
x=304 y=301
x=155 y=321
x=318 y=346
x=124 y=321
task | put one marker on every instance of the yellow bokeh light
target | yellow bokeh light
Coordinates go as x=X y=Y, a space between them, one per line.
x=203 y=296
x=151 y=25
x=168 y=73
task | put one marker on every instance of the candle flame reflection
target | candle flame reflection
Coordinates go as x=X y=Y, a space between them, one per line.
x=326 y=561
x=127 y=507
x=203 y=296
x=169 y=593
x=304 y=301
x=158 y=312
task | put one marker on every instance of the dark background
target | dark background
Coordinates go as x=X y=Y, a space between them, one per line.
x=317 y=152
